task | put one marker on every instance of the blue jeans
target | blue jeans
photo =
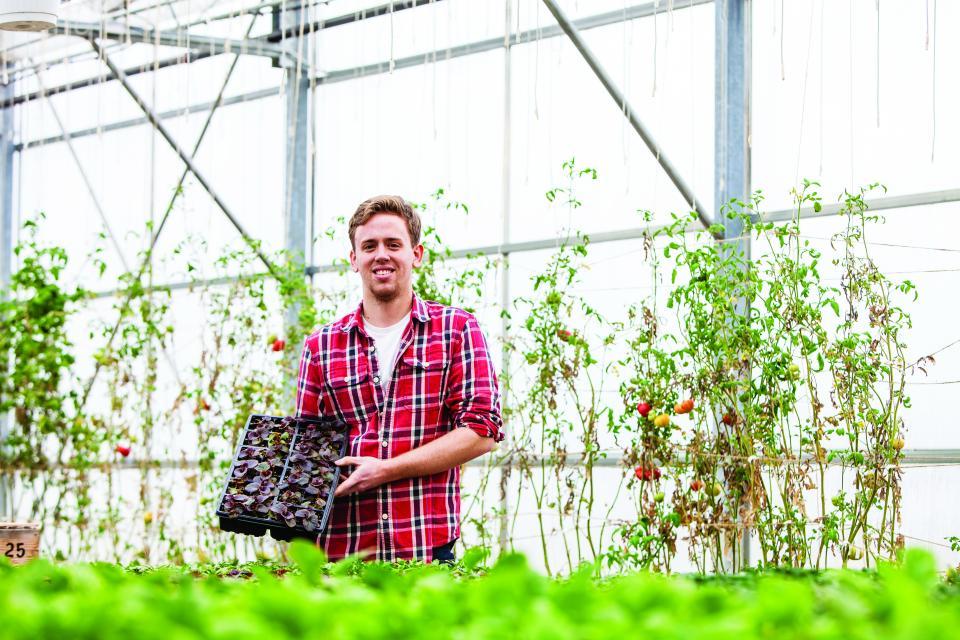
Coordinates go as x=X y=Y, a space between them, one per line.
x=444 y=553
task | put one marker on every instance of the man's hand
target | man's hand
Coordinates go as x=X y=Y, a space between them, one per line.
x=448 y=451
x=368 y=473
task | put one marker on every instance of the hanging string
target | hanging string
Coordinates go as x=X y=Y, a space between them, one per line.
x=933 y=87
x=875 y=243
x=728 y=458
x=693 y=103
x=820 y=164
x=656 y=5
x=783 y=68
x=433 y=69
x=850 y=87
x=625 y=133
x=878 y=64
x=803 y=99
x=936 y=544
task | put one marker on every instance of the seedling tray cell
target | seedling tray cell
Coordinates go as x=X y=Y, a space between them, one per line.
x=283 y=478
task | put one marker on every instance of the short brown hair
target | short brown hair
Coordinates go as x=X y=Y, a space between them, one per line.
x=386 y=204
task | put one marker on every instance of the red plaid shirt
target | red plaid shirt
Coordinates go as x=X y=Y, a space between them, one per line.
x=443 y=378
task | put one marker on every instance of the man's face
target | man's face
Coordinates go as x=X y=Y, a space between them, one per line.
x=383 y=256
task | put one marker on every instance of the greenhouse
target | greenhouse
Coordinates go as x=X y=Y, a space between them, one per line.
x=649 y=334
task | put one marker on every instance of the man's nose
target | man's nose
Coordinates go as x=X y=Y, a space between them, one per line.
x=380 y=254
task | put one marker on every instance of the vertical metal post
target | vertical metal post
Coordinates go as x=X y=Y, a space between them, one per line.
x=732 y=115
x=732 y=131
x=504 y=537
x=296 y=179
x=6 y=252
x=628 y=111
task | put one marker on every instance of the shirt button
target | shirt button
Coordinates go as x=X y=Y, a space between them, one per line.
x=383 y=517
x=376 y=379
x=383 y=443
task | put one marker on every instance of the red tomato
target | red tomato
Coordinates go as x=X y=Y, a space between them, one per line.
x=644 y=408
x=122 y=450
x=647 y=473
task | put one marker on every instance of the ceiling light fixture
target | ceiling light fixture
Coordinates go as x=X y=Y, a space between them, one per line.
x=28 y=15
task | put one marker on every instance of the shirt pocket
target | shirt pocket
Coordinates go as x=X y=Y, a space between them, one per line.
x=421 y=414
x=350 y=391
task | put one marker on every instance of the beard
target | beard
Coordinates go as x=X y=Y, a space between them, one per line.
x=386 y=294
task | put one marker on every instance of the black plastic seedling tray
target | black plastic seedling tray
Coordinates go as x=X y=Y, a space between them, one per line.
x=282 y=478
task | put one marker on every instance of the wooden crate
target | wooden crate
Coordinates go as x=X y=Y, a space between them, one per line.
x=19 y=541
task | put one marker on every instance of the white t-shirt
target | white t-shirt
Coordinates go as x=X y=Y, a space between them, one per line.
x=387 y=341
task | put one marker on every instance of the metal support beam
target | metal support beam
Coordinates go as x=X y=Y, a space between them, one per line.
x=124 y=10
x=181 y=36
x=628 y=111
x=169 y=38
x=732 y=143
x=543 y=244
x=924 y=458
x=176 y=192
x=506 y=248
x=296 y=180
x=96 y=203
x=89 y=82
x=267 y=45
x=6 y=189
x=233 y=15
x=490 y=44
x=6 y=254
x=184 y=156
x=182 y=29
x=343 y=75
x=732 y=113
x=290 y=31
x=590 y=22
x=86 y=179
x=873 y=204
x=166 y=115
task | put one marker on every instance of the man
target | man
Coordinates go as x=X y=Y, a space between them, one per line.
x=415 y=382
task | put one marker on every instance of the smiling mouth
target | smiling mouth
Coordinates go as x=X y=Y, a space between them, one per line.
x=383 y=273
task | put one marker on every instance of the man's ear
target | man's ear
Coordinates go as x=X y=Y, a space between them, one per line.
x=353 y=260
x=418 y=255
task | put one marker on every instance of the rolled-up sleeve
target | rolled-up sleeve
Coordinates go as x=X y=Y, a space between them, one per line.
x=310 y=388
x=473 y=393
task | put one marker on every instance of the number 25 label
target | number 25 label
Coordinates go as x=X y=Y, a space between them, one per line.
x=14 y=550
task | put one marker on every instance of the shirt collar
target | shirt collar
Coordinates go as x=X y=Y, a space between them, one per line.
x=419 y=311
